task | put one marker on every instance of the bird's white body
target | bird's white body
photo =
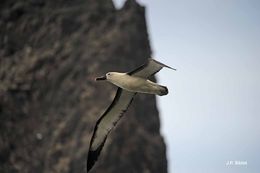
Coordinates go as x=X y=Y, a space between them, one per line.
x=135 y=84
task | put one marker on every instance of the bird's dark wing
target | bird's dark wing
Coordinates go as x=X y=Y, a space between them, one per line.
x=106 y=122
x=148 y=69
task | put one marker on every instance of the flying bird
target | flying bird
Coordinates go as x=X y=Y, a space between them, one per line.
x=128 y=84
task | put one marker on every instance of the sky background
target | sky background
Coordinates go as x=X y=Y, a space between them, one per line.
x=212 y=113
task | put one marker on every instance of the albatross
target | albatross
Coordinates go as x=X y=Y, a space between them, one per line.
x=128 y=85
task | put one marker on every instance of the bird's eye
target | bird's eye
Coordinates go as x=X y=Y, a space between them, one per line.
x=108 y=74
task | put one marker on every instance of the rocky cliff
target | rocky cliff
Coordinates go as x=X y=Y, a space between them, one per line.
x=50 y=52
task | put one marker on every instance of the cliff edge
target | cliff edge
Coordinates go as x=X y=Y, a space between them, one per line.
x=50 y=53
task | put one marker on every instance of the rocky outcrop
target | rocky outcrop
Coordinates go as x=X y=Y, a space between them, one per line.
x=50 y=52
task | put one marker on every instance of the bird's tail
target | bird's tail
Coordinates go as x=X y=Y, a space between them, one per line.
x=163 y=90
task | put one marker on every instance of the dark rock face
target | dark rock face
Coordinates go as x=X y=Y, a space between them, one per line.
x=50 y=52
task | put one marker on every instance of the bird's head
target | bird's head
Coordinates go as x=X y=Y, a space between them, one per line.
x=109 y=76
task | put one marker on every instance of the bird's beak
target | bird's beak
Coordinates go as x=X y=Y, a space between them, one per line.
x=101 y=78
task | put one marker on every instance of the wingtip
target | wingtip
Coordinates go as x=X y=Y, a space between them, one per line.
x=170 y=67
x=173 y=69
x=152 y=59
x=91 y=159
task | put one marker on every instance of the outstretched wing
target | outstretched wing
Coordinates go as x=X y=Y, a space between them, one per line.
x=148 y=69
x=106 y=122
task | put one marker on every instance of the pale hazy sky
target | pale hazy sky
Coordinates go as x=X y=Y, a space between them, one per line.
x=212 y=113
